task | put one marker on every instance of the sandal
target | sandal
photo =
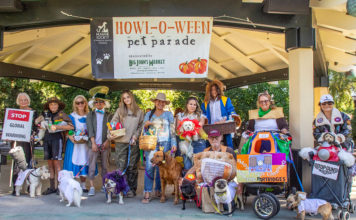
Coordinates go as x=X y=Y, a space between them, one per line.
x=146 y=200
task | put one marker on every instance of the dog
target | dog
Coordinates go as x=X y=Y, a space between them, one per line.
x=224 y=193
x=302 y=205
x=188 y=189
x=189 y=129
x=186 y=148
x=115 y=184
x=170 y=172
x=33 y=178
x=69 y=189
x=19 y=158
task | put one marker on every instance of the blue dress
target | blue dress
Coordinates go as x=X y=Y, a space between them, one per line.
x=77 y=155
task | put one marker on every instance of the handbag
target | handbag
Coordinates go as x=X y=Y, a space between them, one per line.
x=147 y=142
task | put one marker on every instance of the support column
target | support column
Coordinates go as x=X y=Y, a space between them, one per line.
x=318 y=92
x=301 y=103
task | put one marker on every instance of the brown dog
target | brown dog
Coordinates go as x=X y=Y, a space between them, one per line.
x=301 y=204
x=170 y=172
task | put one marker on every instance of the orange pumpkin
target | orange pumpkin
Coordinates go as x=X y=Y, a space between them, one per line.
x=186 y=67
x=199 y=65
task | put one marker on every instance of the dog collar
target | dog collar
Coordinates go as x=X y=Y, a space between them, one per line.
x=220 y=194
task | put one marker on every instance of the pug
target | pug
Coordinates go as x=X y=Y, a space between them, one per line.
x=224 y=193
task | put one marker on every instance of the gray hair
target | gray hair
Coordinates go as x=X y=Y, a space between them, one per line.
x=23 y=94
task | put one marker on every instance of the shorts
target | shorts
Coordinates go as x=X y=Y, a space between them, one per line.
x=53 y=149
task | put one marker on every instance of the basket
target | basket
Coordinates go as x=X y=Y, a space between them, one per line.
x=118 y=133
x=147 y=142
x=81 y=141
x=224 y=128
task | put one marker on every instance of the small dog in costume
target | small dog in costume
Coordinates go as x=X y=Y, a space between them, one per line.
x=115 y=184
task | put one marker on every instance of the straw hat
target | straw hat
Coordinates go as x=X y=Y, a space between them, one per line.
x=161 y=97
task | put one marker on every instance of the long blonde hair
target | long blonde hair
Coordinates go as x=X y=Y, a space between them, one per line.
x=75 y=109
x=123 y=110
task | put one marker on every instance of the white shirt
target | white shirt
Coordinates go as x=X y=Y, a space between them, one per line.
x=99 y=128
x=266 y=125
x=215 y=111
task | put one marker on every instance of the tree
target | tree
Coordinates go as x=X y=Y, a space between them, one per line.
x=245 y=99
x=341 y=87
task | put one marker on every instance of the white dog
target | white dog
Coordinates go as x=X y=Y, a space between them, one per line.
x=188 y=131
x=224 y=193
x=69 y=189
x=19 y=158
x=189 y=126
x=33 y=178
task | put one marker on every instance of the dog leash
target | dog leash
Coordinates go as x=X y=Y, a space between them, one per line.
x=295 y=170
x=128 y=160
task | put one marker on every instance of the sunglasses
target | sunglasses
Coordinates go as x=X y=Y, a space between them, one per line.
x=80 y=103
x=327 y=103
x=100 y=102
x=265 y=101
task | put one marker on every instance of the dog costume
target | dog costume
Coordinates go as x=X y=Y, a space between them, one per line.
x=119 y=179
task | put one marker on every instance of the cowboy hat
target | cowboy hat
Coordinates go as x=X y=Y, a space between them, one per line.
x=162 y=97
x=61 y=105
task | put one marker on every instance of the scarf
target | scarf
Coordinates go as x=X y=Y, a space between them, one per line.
x=262 y=113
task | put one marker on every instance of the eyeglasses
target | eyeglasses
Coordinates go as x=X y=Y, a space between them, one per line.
x=80 y=103
x=100 y=102
x=327 y=103
x=265 y=101
x=214 y=138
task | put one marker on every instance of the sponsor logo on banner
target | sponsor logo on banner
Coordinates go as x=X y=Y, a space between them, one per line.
x=154 y=47
x=102 y=48
x=17 y=125
x=324 y=169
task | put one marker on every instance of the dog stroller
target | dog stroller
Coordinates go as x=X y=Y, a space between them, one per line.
x=332 y=182
x=264 y=171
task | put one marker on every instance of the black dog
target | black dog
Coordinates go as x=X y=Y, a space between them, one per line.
x=188 y=189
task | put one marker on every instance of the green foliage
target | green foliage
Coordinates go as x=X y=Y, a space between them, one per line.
x=244 y=99
x=40 y=91
x=341 y=87
x=353 y=124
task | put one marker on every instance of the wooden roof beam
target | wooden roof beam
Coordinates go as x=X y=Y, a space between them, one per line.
x=237 y=55
x=68 y=54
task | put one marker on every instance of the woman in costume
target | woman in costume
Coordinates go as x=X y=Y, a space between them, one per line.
x=130 y=116
x=217 y=107
x=332 y=120
x=77 y=151
x=161 y=123
x=192 y=112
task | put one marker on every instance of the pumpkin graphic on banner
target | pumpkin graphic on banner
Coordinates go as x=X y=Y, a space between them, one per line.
x=197 y=66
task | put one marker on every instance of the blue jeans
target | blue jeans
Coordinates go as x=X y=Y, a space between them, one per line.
x=198 y=146
x=150 y=170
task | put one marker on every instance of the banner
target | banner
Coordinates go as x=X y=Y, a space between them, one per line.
x=261 y=168
x=151 y=47
x=324 y=169
x=17 y=125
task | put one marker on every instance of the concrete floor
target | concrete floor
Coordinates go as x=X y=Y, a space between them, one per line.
x=46 y=207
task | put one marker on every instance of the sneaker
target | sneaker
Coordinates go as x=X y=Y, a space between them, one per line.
x=91 y=191
x=102 y=189
x=130 y=194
